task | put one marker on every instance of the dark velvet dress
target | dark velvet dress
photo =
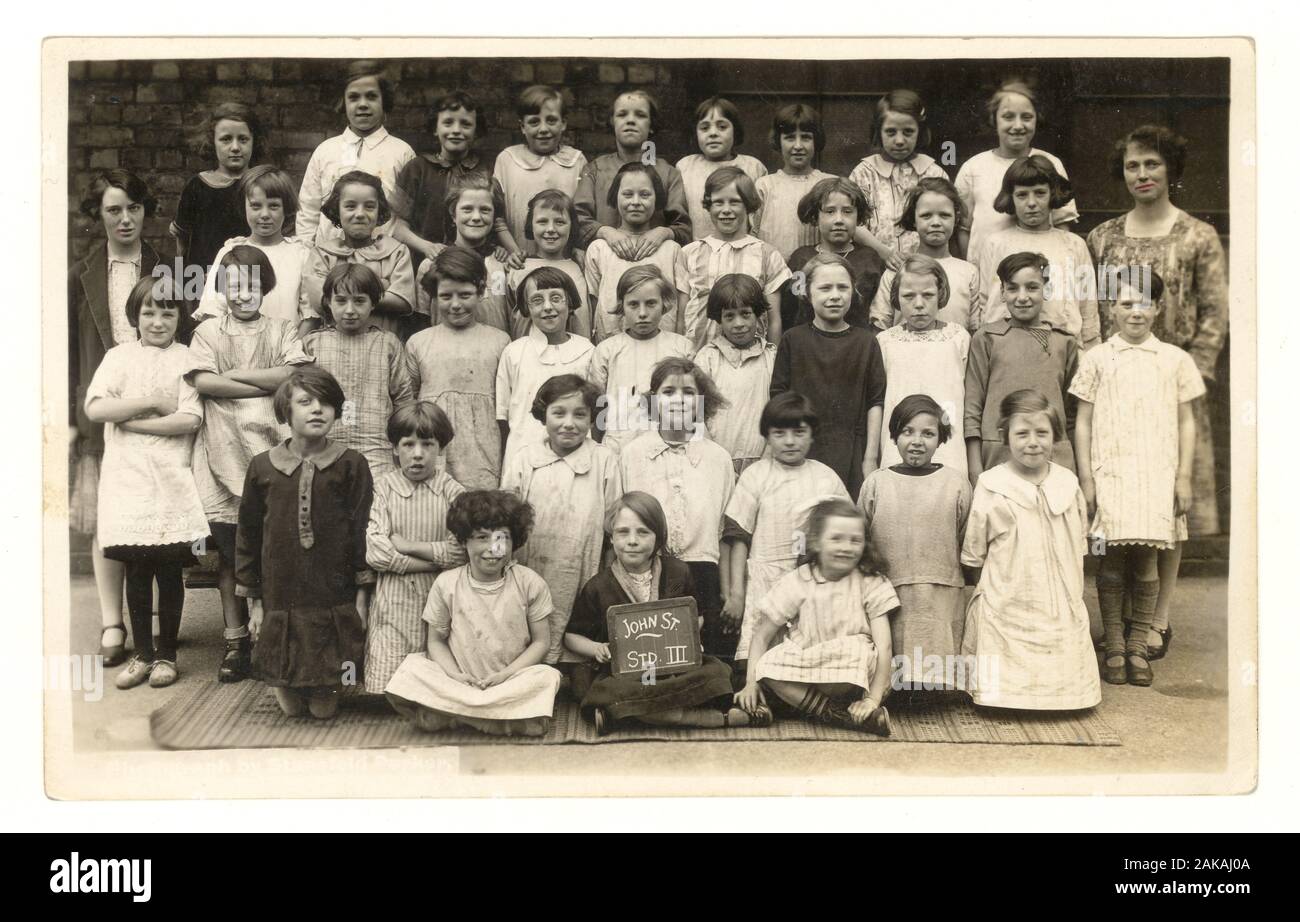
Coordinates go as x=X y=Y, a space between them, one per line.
x=624 y=696
x=301 y=548
x=867 y=269
x=844 y=377
x=209 y=217
x=425 y=181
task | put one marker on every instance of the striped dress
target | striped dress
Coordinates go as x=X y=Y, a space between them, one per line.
x=1136 y=392
x=416 y=512
x=829 y=627
x=703 y=262
x=371 y=368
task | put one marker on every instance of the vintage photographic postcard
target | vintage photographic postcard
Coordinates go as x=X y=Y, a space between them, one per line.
x=923 y=376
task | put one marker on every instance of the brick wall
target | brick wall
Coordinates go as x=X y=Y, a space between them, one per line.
x=142 y=115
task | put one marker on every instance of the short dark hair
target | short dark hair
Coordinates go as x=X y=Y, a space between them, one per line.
x=349 y=278
x=359 y=69
x=1028 y=402
x=559 y=386
x=1033 y=170
x=797 y=116
x=636 y=166
x=724 y=176
x=918 y=264
x=247 y=257
x=555 y=200
x=545 y=278
x=732 y=292
x=135 y=188
x=811 y=204
x=313 y=380
x=901 y=102
x=1014 y=262
x=361 y=178
x=915 y=405
x=1169 y=144
x=939 y=186
x=455 y=264
x=1137 y=276
x=727 y=109
x=680 y=365
x=161 y=292
x=274 y=183
x=423 y=419
x=646 y=508
x=787 y=410
x=459 y=99
x=490 y=509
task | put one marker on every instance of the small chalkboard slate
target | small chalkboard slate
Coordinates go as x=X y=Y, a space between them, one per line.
x=664 y=635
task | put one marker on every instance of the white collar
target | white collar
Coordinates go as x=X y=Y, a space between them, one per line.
x=370 y=141
x=525 y=159
x=1060 y=488
x=716 y=244
x=885 y=167
x=1120 y=344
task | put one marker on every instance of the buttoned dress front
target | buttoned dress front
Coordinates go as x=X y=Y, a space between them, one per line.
x=301 y=549
x=693 y=482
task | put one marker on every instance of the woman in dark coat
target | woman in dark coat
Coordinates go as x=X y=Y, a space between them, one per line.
x=98 y=286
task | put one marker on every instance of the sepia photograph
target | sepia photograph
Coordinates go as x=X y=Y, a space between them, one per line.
x=575 y=417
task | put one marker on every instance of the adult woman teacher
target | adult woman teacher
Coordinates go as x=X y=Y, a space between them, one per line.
x=1189 y=258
